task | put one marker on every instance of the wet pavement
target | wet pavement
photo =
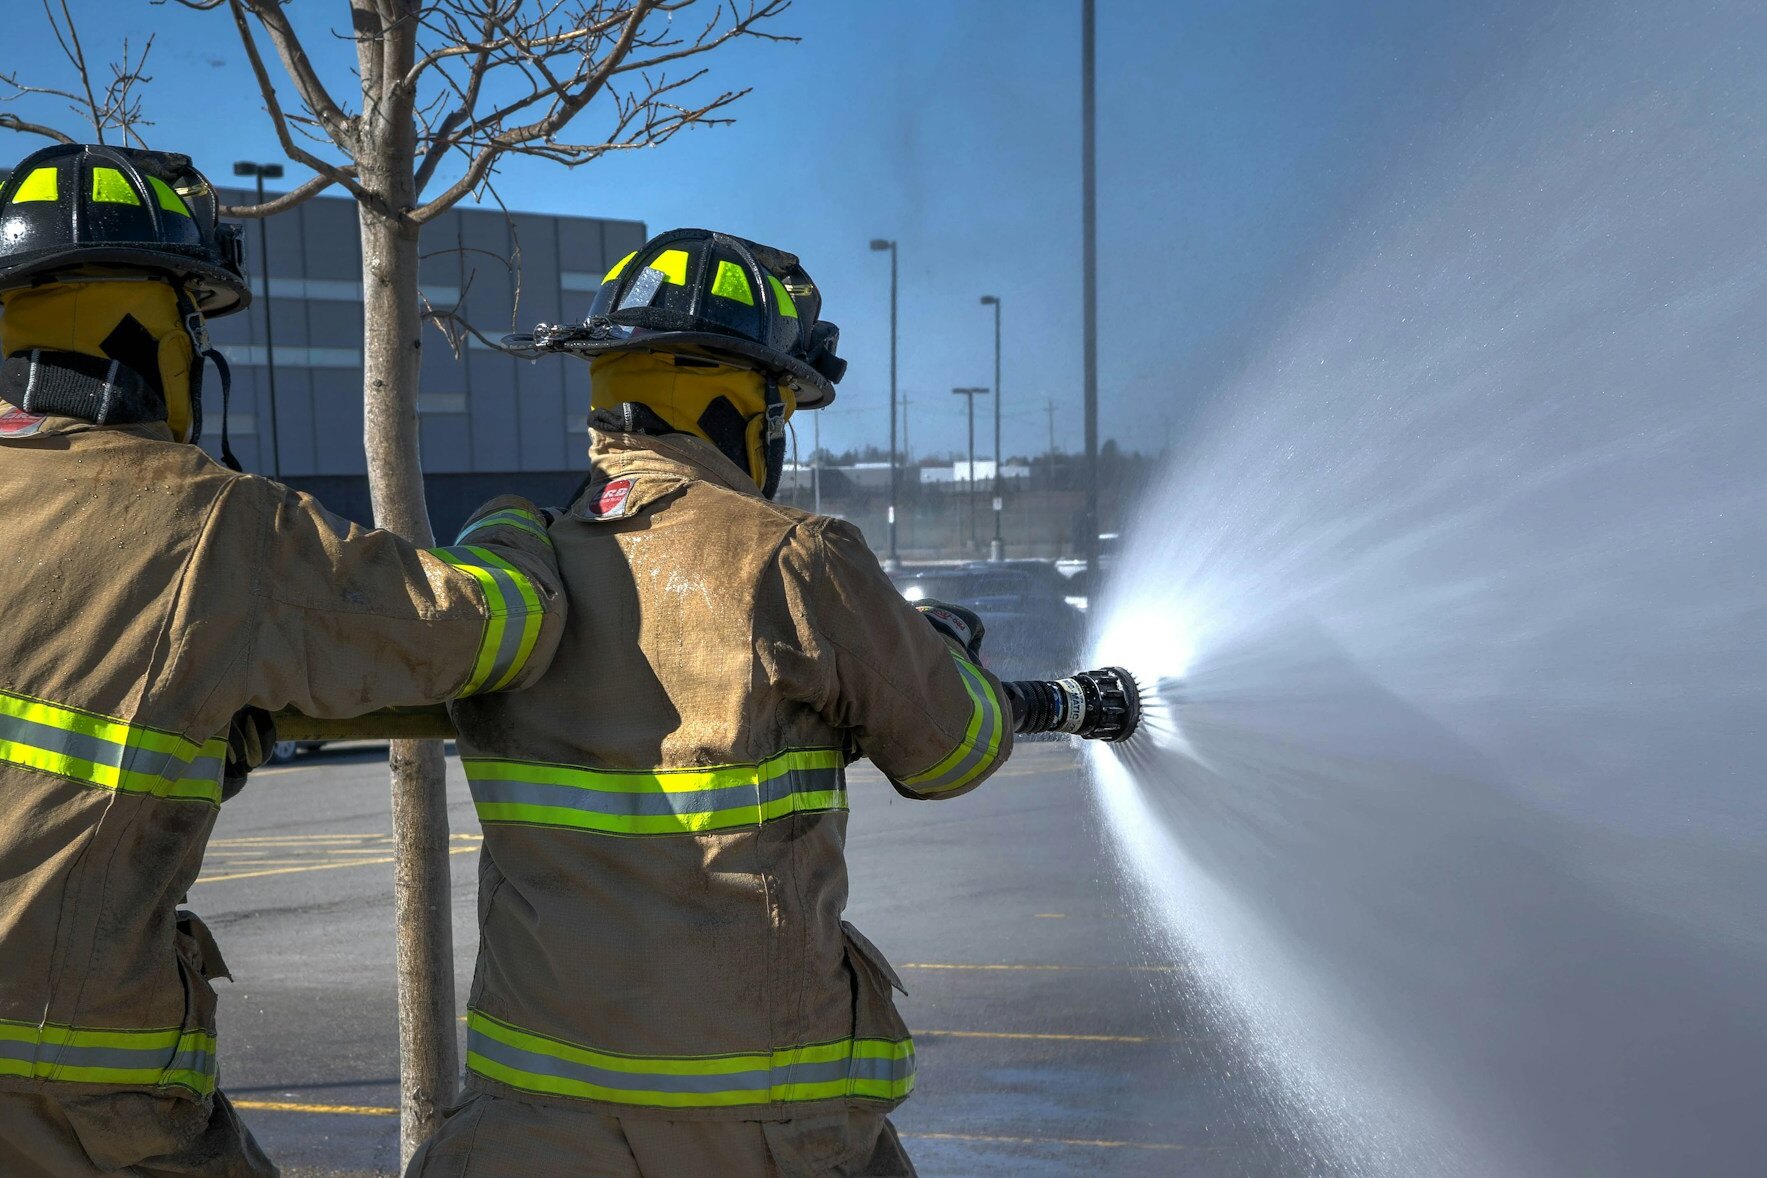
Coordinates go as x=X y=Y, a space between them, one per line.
x=1049 y=1041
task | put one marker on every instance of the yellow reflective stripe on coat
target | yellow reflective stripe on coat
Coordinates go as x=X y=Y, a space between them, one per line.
x=163 y=1059
x=871 y=1069
x=660 y=802
x=108 y=753
x=512 y=517
x=514 y=611
x=980 y=746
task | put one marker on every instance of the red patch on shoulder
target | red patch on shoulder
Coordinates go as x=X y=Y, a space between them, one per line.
x=16 y=423
x=611 y=500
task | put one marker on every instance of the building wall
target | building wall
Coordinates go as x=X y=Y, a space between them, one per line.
x=480 y=412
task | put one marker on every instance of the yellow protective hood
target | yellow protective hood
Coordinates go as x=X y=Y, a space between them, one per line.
x=686 y=396
x=134 y=322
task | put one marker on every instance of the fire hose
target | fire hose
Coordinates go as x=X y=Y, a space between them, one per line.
x=1094 y=705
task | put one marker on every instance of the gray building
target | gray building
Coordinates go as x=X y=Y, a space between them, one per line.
x=489 y=423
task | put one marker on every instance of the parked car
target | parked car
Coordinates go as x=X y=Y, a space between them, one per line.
x=1032 y=633
x=284 y=751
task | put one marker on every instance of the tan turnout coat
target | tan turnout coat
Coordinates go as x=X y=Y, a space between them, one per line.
x=665 y=812
x=150 y=593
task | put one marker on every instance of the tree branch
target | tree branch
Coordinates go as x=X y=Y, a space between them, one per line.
x=293 y=54
x=280 y=204
x=14 y=123
x=267 y=89
x=567 y=106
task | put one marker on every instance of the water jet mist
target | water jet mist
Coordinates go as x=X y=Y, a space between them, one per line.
x=1451 y=792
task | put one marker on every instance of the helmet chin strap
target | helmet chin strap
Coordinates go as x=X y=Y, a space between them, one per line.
x=205 y=350
x=773 y=438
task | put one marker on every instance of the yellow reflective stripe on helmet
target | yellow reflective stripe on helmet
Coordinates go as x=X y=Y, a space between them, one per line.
x=41 y=184
x=110 y=187
x=171 y=1058
x=980 y=746
x=732 y=283
x=512 y=624
x=869 y=1069
x=169 y=200
x=672 y=264
x=619 y=267
x=108 y=753
x=787 y=306
x=660 y=802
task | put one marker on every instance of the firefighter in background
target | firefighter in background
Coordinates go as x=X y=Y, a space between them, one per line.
x=154 y=598
x=665 y=986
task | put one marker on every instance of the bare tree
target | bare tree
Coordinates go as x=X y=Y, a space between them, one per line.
x=115 y=107
x=445 y=91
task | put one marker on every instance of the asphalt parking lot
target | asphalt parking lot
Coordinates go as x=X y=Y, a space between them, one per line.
x=1049 y=1041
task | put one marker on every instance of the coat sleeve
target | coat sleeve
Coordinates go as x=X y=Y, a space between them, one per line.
x=350 y=620
x=934 y=722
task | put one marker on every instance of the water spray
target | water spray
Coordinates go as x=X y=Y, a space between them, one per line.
x=1094 y=705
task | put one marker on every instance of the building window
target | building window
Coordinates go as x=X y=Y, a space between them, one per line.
x=287 y=356
x=341 y=290
x=441 y=402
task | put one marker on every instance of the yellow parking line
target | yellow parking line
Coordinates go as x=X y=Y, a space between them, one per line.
x=289 y=1106
x=1076 y=968
x=1045 y=1140
x=373 y=1110
x=1058 y=1038
x=295 y=838
x=291 y=870
x=314 y=867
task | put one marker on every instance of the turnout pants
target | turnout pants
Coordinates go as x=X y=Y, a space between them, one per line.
x=137 y=1134
x=488 y=1136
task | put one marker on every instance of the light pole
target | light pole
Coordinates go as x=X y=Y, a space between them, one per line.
x=881 y=244
x=972 y=394
x=1089 y=253
x=997 y=548
x=261 y=173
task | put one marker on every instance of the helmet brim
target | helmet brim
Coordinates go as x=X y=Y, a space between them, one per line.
x=814 y=389
x=216 y=291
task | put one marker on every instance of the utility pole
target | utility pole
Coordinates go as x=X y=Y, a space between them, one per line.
x=816 y=461
x=894 y=562
x=970 y=491
x=1089 y=252
x=1049 y=408
x=997 y=548
x=262 y=172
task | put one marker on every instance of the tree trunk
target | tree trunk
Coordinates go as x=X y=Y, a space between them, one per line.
x=428 y=1060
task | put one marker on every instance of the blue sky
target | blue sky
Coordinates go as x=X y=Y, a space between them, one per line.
x=1233 y=135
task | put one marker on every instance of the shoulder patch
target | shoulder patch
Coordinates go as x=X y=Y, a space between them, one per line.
x=611 y=500
x=16 y=423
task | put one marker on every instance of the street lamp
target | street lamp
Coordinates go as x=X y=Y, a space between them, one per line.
x=878 y=243
x=972 y=394
x=263 y=172
x=1089 y=269
x=997 y=548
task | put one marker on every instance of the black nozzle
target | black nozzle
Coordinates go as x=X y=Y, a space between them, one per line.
x=1093 y=705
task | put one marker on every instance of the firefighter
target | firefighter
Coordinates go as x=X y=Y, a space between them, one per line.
x=665 y=985
x=155 y=601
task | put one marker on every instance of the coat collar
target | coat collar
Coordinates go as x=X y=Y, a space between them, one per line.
x=629 y=471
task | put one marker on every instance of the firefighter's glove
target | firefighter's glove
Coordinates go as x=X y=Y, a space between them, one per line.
x=251 y=734
x=954 y=621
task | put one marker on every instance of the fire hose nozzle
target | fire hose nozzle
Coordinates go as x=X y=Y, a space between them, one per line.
x=1094 y=705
